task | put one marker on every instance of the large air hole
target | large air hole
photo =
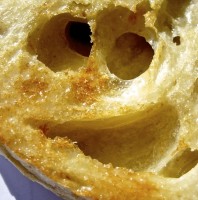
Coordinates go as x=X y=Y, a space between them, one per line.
x=130 y=56
x=181 y=164
x=134 y=141
x=61 y=43
x=78 y=35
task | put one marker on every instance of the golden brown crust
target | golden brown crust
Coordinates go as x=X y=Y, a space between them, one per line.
x=119 y=122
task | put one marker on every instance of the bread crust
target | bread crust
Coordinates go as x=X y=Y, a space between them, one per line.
x=89 y=126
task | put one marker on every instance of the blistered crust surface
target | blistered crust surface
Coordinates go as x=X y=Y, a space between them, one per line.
x=118 y=122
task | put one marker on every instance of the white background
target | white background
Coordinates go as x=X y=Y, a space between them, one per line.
x=14 y=186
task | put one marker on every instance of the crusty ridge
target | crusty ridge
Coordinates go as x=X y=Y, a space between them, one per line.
x=63 y=114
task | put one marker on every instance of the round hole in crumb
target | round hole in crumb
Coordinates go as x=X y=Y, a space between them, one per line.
x=78 y=37
x=61 y=42
x=176 y=40
x=130 y=56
